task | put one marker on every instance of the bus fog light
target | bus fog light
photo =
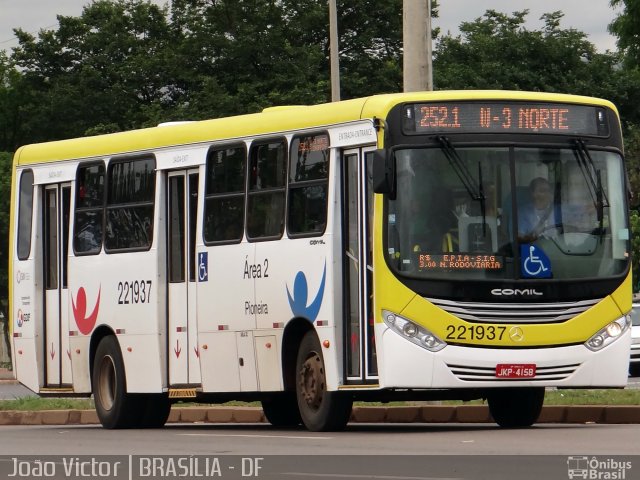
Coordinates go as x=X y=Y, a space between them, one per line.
x=608 y=334
x=596 y=342
x=413 y=332
x=429 y=341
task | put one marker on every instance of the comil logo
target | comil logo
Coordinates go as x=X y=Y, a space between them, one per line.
x=597 y=468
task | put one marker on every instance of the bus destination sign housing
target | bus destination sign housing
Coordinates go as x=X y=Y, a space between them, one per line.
x=505 y=117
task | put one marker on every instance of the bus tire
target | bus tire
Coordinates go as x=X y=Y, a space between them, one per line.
x=516 y=407
x=115 y=408
x=281 y=410
x=153 y=410
x=320 y=410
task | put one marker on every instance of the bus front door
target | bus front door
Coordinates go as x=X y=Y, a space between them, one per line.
x=55 y=204
x=361 y=362
x=182 y=205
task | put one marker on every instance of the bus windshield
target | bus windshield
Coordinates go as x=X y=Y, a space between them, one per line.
x=506 y=213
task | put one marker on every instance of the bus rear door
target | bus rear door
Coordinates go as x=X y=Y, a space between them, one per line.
x=56 y=200
x=182 y=205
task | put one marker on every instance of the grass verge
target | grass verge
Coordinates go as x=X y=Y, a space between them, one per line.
x=552 y=397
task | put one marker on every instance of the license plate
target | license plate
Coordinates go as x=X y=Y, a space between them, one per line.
x=516 y=370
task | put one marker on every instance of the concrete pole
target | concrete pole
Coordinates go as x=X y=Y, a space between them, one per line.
x=416 y=38
x=334 y=51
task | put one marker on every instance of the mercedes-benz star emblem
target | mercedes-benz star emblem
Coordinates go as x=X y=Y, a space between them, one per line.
x=516 y=334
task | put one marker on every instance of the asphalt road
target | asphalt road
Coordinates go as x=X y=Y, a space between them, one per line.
x=384 y=452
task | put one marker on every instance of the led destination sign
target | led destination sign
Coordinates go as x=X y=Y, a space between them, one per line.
x=459 y=261
x=496 y=117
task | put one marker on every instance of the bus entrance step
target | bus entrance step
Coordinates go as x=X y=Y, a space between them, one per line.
x=182 y=393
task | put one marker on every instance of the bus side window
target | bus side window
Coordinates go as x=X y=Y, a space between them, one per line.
x=25 y=214
x=89 y=209
x=267 y=175
x=224 y=194
x=130 y=205
x=308 y=180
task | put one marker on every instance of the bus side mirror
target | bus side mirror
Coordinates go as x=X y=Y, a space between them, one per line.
x=384 y=173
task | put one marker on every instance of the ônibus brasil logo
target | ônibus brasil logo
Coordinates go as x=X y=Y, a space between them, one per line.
x=85 y=324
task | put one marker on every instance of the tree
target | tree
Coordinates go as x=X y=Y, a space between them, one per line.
x=497 y=51
x=5 y=202
x=626 y=26
x=106 y=67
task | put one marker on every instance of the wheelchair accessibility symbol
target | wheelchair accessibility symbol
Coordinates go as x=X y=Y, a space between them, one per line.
x=534 y=263
x=203 y=266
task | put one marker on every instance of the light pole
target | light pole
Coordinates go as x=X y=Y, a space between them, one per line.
x=416 y=39
x=334 y=51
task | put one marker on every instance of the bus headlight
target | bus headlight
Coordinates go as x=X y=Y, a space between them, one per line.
x=608 y=334
x=413 y=332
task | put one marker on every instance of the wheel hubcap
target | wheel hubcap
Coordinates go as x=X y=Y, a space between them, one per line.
x=312 y=381
x=107 y=387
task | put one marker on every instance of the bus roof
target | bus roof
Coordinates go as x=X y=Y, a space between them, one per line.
x=271 y=120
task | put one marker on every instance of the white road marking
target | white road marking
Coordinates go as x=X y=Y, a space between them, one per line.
x=253 y=436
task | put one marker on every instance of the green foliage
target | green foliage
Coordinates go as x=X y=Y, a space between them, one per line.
x=496 y=51
x=33 y=403
x=5 y=199
x=104 y=67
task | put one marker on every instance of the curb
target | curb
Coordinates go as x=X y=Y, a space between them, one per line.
x=581 y=414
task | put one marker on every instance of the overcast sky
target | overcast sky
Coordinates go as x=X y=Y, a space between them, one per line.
x=589 y=16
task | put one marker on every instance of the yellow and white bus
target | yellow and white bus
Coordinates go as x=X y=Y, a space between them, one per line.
x=311 y=256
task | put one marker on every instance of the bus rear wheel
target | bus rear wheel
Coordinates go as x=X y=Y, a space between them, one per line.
x=320 y=410
x=516 y=407
x=115 y=408
x=153 y=410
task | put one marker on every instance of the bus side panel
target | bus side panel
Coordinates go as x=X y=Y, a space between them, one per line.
x=219 y=362
x=80 y=361
x=299 y=283
x=121 y=291
x=226 y=316
x=27 y=315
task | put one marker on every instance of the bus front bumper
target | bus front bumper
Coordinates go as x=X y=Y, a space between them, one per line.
x=403 y=364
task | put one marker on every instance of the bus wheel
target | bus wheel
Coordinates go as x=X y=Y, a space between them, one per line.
x=281 y=410
x=321 y=411
x=153 y=410
x=516 y=407
x=115 y=408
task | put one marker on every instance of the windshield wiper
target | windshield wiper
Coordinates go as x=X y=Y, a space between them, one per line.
x=593 y=178
x=473 y=188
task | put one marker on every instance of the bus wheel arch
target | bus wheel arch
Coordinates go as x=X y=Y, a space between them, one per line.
x=321 y=410
x=96 y=337
x=292 y=337
x=281 y=409
x=114 y=406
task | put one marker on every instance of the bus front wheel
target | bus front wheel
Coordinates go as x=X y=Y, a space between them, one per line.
x=115 y=408
x=516 y=407
x=281 y=410
x=320 y=410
